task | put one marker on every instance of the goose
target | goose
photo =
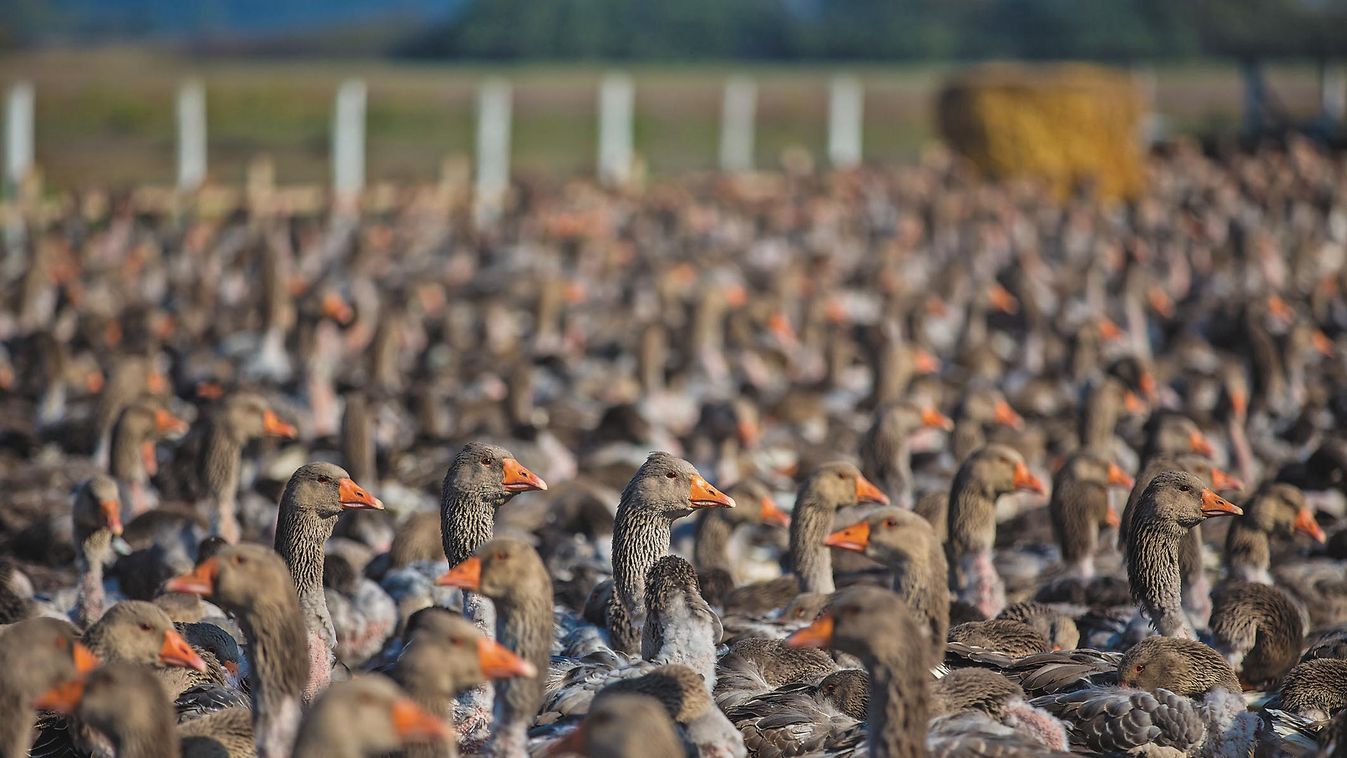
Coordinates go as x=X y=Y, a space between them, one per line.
x=35 y=656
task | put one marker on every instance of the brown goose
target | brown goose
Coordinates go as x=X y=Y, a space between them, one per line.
x=1259 y=629
x=1080 y=507
x=35 y=655
x=717 y=531
x=832 y=486
x=445 y=654
x=683 y=693
x=905 y=543
x=1177 y=696
x=364 y=717
x=885 y=452
x=877 y=627
x=663 y=489
x=242 y=416
x=623 y=726
x=513 y=576
x=1172 y=503
x=97 y=524
x=1276 y=510
x=989 y=473
x=132 y=459
x=315 y=495
x=1315 y=688
x=254 y=584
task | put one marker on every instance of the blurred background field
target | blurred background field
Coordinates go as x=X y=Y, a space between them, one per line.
x=105 y=116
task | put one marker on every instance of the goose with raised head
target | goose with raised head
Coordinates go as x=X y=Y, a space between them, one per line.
x=242 y=416
x=35 y=655
x=97 y=532
x=1275 y=511
x=885 y=451
x=315 y=495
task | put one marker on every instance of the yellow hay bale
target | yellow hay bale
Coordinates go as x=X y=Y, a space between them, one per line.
x=1065 y=124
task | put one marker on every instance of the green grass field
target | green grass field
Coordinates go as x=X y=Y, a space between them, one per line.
x=106 y=117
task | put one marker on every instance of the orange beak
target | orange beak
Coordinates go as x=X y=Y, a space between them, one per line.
x=1223 y=482
x=209 y=390
x=925 y=362
x=1109 y=330
x=335 y=308
x=1133 y=404
x=519 y=479
x=84 y=658
x=1322 y=343
x=780 y=326
x=1239 y=403
x=867 y=492
x=353 y=497
x=736 y=295
x=1305 y=524
x=702 y=494
x=272 y=425
x=933 y=419
x=112 y=515
x=1025 y=480
x=1279 y=310
x=770 y=513
x=167 y=423
x=1119 y=478
x=1200 y=444
x=93 y=381
x=1148 y=386
x=63 y=698
x=1002 y=300
x=1215 y=505
x=412 y=723
x=200 y=582
x=1111 y=518
x=1006 y=416
x=498 y=662
x=1160 y=302
x=817 y=634
x=748 y=432
x=177 y=652
x=466 y=575
x=855 y=537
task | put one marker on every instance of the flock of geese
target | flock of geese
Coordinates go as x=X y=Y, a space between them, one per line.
x=887 y=463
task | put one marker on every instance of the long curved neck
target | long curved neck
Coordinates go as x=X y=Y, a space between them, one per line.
x=94 y=551
x=467 y=519
x=1153 y=572
x=125 y=461
x=1074 y=525
x=640 y=538
x=710 y=548
x=221 y=456
x=158 y=739
x=524 y=625
x=887 y=461
x=1100 y=416
x=972 y=516
x=280 y=670
x=898 y=710
x=810 y=559
x=300 y=536
x=1248 y=554
x=16 y=724
x=920 y=581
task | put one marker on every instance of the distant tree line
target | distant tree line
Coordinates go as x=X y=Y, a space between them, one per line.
x=503 y=30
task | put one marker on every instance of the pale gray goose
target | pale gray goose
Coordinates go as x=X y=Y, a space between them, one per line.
x=512 y=575
x=988 y=474
x=831 y=487
x=254 y=584
x=446 y=654
x=242 y=416
x=876 y=626
x=663 y=489
x=885 y=450
x=905 y=543
x=35 y=655
x=1172 y=503
x=313 y=498
x=1176 y=696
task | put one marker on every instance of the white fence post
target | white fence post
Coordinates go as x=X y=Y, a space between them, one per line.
x=617 y=98
x=736 y=124
x=846 y=114
x=348 y=141
x=18 y=134
x=191 y=136
x=493 y=149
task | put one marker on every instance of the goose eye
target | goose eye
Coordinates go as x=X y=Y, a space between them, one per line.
x=325 y=480
x=670 y=475
x=840 y=475
x=500 y=555
x=486 y=461
x=1185 y=488
x=238 y=560
x=1139 y=668
x=145 y=626
x=891 y=522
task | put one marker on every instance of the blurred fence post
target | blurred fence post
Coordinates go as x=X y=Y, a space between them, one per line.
x=191 y=136
x=348 y=142
x=846 y=115
x=617 y=97
x=736 y=124
x=18 y=136
x=493 y=149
